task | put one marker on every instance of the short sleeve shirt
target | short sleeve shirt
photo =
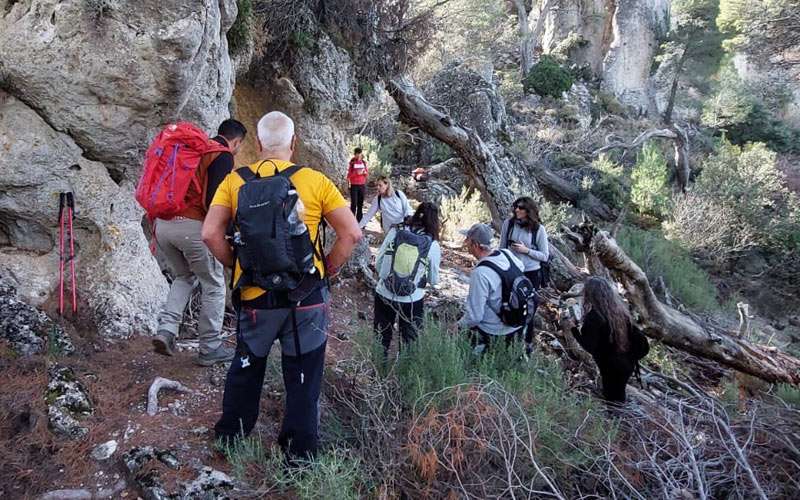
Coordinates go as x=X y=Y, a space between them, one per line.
x=318 y=194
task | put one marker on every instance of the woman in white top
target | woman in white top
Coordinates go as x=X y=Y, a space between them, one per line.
x=406 y=308
x=392 y=203
x=525 y=235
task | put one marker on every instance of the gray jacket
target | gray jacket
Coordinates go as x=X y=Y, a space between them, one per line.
x=537 y=253
x=486 y=295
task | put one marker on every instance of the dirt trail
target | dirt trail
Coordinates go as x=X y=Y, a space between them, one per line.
x=117 y=375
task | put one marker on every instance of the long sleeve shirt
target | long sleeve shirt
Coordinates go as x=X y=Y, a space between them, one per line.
x=383 y=264
x=394 y=209
x=485 y=295
x=538 y=249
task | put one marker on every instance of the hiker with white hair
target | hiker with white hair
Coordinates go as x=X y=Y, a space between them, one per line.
x=280 y=281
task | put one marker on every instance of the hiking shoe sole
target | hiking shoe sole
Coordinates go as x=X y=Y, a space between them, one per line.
x=162 y=346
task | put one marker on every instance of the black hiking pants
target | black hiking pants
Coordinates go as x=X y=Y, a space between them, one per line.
x=536 y=280
x=409 y=316
x=478 y=337
x=357 y=200
x=260 y=328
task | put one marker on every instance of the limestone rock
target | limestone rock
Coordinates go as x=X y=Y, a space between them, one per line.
x=617 y=40
x=27 y=329
x=120 y=289
x=104 y=451
x=636 y=27
x=110 y=73
x=211 y=484
x=77 y=494
x=67 y=403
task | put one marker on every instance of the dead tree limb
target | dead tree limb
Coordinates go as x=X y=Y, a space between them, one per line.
x=680 y=141
x=491 y=167
x=684 y=332
x=158 y=384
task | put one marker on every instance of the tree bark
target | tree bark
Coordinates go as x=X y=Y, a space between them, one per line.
x=673 y=91
x=680 y=142
x=683 y=331
x=530 y=35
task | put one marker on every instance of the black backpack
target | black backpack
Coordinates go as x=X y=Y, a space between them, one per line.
x=544 y=266
x=408 y=251
x=518 y=295
x=269 y=255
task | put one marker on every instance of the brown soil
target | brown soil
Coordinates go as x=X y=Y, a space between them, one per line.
x=117 y=375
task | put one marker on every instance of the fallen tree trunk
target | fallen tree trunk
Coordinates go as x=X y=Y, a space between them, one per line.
x=683 y=331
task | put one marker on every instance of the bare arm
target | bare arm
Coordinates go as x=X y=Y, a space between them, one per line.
x=214 y=234
x=347 y=235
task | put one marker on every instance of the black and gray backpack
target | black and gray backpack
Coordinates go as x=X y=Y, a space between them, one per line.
x=408 y=251
x=271 y=257
x=518 y=295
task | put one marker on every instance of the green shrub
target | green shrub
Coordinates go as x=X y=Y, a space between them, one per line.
x=747 y=112
x=240 y=34
x=438 y=368
x=659 y=257
x=567 y=159
x=553 y=215
x=461 y=212
x=435 y=361
x=742 y=197
x=548 y=78
x=610 y=184
x=373 y=152
x=441 y=152
x=789 y=395
x=302 y=39
x=649 y=182
x=335 y=470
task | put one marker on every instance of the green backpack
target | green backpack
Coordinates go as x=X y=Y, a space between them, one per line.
x=408 y=251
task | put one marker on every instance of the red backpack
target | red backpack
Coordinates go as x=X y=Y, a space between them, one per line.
x=170 y=166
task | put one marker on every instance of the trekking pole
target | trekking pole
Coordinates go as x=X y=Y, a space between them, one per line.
x=61 y=203
x=70 y=216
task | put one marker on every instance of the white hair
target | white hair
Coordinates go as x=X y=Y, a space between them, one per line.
x=275 y=131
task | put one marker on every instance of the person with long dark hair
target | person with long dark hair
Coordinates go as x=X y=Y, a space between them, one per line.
x=525 y=235
x=609 y=335
x=407 y=261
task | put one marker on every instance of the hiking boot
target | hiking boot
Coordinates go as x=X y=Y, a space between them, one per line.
x=221 y=354
x=164 y=343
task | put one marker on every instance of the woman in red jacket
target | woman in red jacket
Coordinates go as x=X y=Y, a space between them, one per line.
x=357 y=173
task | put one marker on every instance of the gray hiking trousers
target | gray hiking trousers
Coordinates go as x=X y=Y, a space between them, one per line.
x=181 y=246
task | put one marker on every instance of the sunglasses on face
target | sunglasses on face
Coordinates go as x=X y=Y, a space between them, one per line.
x=520 y=207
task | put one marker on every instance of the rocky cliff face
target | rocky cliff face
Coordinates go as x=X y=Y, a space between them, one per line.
x=317 y=88
x=616 y=39
x=86 y=84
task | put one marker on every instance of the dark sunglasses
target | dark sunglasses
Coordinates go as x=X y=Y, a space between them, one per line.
x=521 y=207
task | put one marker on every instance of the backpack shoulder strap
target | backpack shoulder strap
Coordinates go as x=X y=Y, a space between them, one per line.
x=503 y=273
x=290 y=171
x=508 y=230
x=245 y=173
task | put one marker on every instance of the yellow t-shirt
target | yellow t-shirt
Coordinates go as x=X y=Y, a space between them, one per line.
x=318 y=194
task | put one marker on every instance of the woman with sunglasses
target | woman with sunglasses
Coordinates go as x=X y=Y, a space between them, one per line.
x=525 y=235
